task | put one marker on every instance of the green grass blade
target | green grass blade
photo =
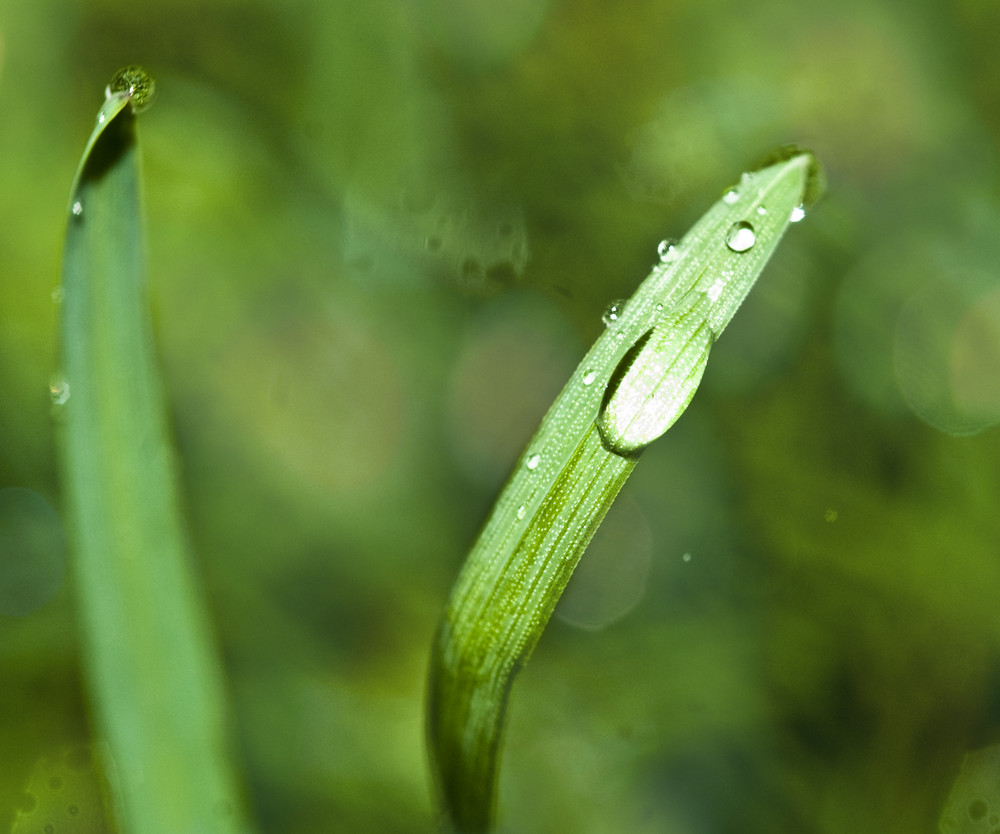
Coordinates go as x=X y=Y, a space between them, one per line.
x=154 y=684
x=629 y=389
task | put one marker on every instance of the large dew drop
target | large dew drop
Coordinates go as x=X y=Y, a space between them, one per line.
x=741 y=237
x=654 y=382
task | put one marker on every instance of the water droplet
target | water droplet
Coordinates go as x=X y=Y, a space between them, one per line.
x=134 y=83
x=59 y=391
x=978 y=809
x=77 y=208
x=716 y=289
x=521 y=511
x=613 y=312
x=797 y=214
x=659 y=306
x=58 y=294
x=589 y=377
x=101 y=118
x=741 y=237
x=686 y=557
x=533 y=461
x=731 y=196
x=667 y=250
x=761 y=210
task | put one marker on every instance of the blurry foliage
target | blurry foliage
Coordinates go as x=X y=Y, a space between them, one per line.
x=350 y=202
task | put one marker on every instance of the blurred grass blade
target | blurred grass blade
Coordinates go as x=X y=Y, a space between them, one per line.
x=629 y=389
x=154 y=684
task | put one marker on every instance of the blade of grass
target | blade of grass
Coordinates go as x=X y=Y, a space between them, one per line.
x=629 y=389
x=154 y=684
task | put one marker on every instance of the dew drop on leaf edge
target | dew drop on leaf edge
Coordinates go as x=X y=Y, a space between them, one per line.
x=59 y=391
x=741 y=236
x=667 y=250
x=612 y=312
x=533 y=461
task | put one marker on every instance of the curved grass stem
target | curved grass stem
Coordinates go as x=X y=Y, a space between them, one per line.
x=629 y=389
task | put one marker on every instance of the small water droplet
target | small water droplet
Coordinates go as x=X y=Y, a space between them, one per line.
x=716 y=289
x=659 y=306
x=667 y=250
x=797 y=214
x=741 y=237
x=761 y=210
x=686 y=557
x=58 y=294
x=613 y=312
x=77 y=208
x=101 y=118
x=533 y=461
x=521 y=511
x=59 y=391
x=978 y=809
x=134 y=83
x=731 y=196
x=589 y=377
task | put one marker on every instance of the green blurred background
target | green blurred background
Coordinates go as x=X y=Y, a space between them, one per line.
x=381 y=234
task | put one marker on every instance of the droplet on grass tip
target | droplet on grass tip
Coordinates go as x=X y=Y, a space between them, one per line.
x=135 y=84
x=741 y=236
x=797 y=214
